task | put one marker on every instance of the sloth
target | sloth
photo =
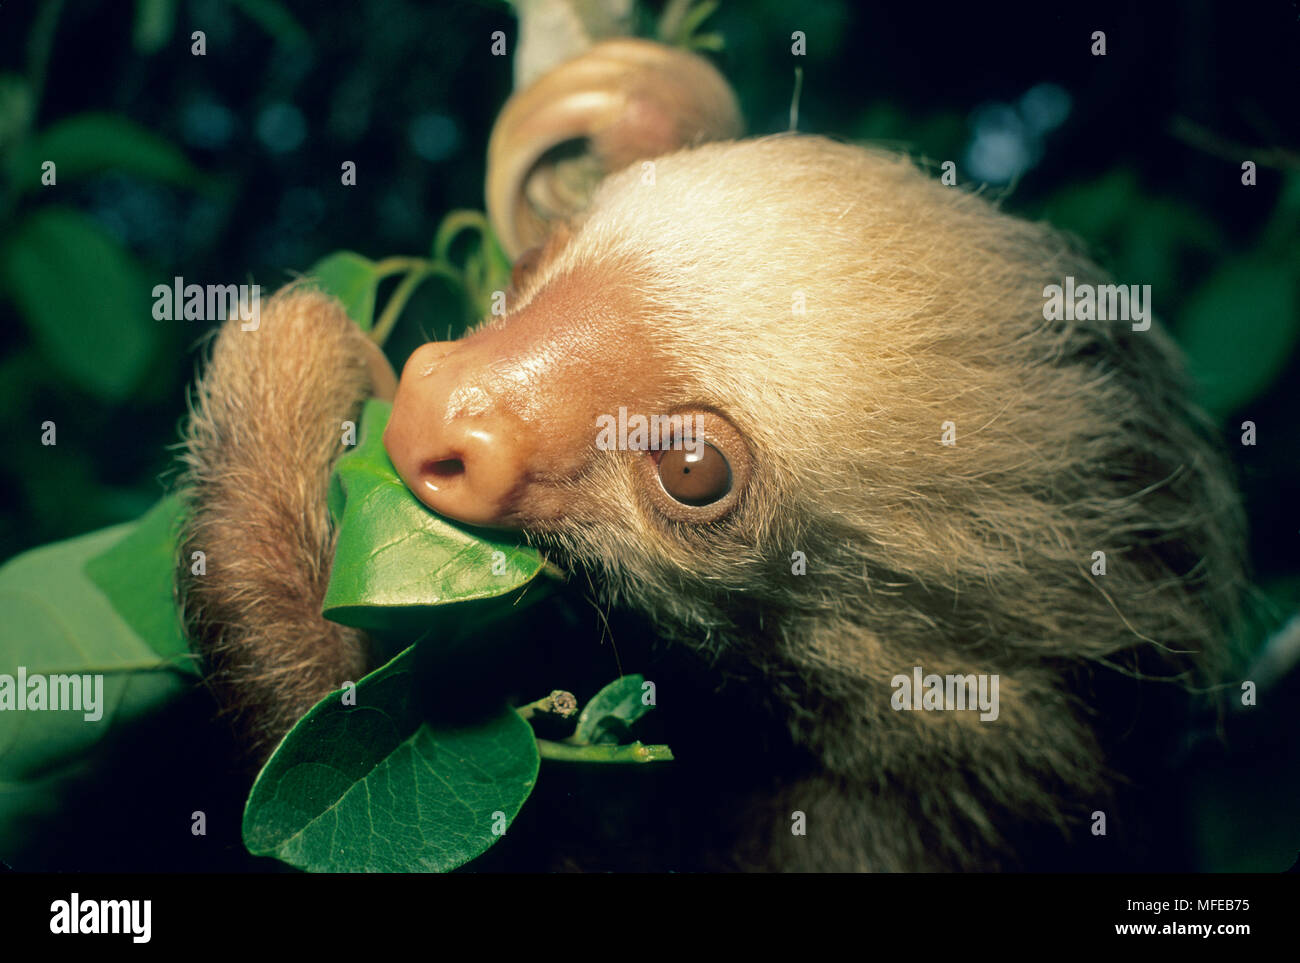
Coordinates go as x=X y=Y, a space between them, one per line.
x=889 y=461
x=873 y=387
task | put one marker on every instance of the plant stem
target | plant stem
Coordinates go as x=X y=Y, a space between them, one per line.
x=395 y=265
x=551 y=570
x=554 y=704
x=634 y=752
x=418 y=270
x=452 y=225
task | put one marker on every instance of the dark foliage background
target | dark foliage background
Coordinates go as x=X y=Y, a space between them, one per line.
x=1139 y=152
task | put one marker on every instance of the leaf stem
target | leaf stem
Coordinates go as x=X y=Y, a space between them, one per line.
x=395 y=265
x=634 y=752
x=551 y=570
x=452 y=225
x=418 y=271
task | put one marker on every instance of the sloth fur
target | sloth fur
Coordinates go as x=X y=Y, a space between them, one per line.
x=922 y=304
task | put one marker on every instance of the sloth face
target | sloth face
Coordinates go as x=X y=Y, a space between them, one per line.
x=864 y=379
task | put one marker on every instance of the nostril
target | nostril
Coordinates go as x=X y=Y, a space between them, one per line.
x=461 y=471
x=445 y=468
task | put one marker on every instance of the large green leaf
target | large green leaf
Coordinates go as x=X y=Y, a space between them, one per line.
x=86 y=300
x=396 y=562
x=138 y=577
x=352 y=279
x=93 y=142
x=57 y=621
x=1238 y=330
x=376 y=787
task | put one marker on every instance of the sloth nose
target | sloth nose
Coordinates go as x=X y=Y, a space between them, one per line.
x=454 y=452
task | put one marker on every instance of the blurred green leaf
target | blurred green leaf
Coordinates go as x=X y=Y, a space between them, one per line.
x=680 y=24
x=93 y=142
x=610 y=713
x=138 y=577
x=1155 y=236
x=395 y=562
x=374 y=787
x=1143 y=239
x=275 y=19
x=940 y=136
x=75 y=469
x=882 y=121
x=85 y=299
x=1238 y=330
x=1283 y=228
x=353 y=280
x=15 y=109
x=20 y=372
x=1221 y=792
x=56 y=621
x=153 y=24
x=1096 y=210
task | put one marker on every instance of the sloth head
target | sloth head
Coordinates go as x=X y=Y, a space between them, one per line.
x=864 y=375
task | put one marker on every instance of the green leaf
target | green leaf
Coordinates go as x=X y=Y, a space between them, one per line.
x=93 y=142
x=57 y=621
x=153 y=24
x=85 y=299
x=275 y=19
x=1099 y=209
x=395 y=562
x=138 y=575
x=374 y=787
x=881 y=121
x=352 y=279
x=611 y=711
x=1238 y=330
x=15 y=109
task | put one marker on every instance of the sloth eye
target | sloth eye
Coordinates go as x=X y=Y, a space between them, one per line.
x=695 y=477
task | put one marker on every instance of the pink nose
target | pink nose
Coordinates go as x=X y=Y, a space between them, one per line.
x=455 y=449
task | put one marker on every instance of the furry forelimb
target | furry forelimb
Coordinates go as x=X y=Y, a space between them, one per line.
x=266 y=425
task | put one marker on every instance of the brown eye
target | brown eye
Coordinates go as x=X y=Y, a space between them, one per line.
x=695 y=477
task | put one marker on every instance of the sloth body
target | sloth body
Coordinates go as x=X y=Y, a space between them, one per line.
x=825 y=314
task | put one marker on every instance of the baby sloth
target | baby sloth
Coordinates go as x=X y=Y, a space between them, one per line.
x=891 y=464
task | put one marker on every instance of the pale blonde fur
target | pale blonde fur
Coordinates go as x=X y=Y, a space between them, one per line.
x=924 y=305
